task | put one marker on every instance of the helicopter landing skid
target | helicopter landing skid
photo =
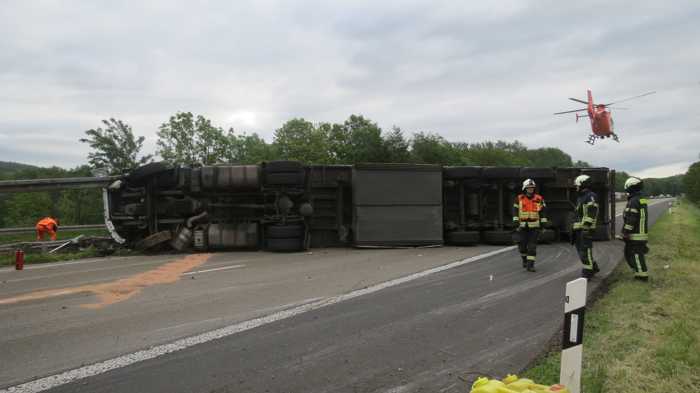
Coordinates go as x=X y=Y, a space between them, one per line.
x=615 y=137
x=591 y=139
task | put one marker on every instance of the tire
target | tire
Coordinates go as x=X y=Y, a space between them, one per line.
x=143 y=173
x=154 y=240
x=285 y=179
x=498 y=237
x=462 y=172
x=284 y=231
x=463 y=238
x=285 y=244
x=547 y=236
x=283 y=166
x=501 y=173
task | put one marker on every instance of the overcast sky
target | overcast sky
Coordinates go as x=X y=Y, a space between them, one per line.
x=470 y=71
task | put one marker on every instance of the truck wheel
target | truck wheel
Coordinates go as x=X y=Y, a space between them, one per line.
x=463 y=238
x=284 y=231
x=498 y=237
x=285 y=244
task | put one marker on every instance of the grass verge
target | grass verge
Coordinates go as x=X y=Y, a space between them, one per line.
x=645 y=337
x=37 y=257
x=60 y=235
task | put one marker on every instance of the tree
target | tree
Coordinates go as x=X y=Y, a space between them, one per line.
x=396 y=146
x=192 y=141
x=249 y=149
x=547 y=157
x=491 y=154
x=70 y=206
x=115 y=147
x=430 y=148
x=300 y=140
x=356 y=140
x=691 y=181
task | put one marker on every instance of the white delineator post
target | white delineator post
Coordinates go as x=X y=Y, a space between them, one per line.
x=572 y=344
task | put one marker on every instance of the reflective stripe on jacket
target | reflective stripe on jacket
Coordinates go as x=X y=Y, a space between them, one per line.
x=635 y=217
x=586 y=210
x=529 y=211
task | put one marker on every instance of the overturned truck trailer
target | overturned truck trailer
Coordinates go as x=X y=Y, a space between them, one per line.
x=288 y=206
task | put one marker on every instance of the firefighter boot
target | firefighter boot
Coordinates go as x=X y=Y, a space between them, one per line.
x=531 y=266
x=524 y=261
x=596 y=269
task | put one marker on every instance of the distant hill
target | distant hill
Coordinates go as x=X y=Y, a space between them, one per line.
x=8 y=169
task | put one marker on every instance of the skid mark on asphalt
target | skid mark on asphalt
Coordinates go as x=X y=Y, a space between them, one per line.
x=122 y=289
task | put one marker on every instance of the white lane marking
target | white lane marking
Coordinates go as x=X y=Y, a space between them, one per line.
x=213 y=270
x=53 y=381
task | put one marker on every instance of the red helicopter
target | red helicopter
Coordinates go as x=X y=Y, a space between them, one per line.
x=601 y=119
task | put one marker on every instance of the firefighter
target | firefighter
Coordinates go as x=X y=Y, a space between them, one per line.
x=634 y=231
x=48 y=225
x=528 y=216
x=584 y=224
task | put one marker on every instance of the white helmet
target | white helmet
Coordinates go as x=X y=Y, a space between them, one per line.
x=581 y=180
x=633 y=183
x=528 y=183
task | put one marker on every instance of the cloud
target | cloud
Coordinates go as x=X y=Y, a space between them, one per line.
x=466 y=70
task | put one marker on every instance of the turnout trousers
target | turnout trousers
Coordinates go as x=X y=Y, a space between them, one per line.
x=634 y=255
x=527 y=245
x=584 y=247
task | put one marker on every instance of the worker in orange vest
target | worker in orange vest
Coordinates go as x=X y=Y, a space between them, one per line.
x=528 y=215
x=48 y=225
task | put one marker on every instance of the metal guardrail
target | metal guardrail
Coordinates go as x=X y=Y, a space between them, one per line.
x=62 y=228
x=36 y=185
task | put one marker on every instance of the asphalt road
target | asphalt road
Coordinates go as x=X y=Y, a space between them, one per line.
x=486 y=316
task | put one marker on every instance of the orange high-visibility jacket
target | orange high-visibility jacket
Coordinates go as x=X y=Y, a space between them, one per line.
x=47 y=222
x=529 y=212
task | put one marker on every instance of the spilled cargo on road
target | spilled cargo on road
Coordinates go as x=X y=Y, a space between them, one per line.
x=289 y=206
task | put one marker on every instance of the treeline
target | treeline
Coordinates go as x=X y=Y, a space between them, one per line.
x=672 y=185
x=192 y=140
x=72 y=207
x=691 y=181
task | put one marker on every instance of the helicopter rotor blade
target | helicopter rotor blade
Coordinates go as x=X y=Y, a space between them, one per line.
x=577 y=100
x=631 y=98
x=576 y=110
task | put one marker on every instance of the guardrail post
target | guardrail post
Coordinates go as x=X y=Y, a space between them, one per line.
x=572 y=344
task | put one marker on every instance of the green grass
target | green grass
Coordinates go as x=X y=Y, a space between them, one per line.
x=60 y=235
x=645 y=337
x=6 y=260
x=38 y=257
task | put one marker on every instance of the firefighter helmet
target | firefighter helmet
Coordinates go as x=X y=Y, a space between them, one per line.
x=633 y=184
x=528 y=183
x=582 y=181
